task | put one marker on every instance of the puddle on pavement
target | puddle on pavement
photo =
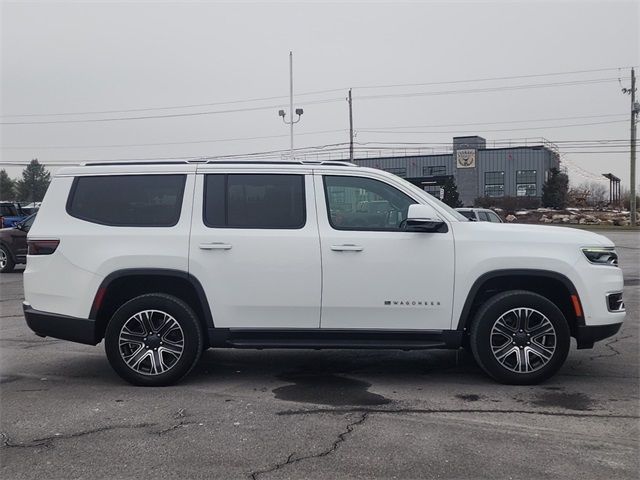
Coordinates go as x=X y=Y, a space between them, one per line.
x=327 y=390
x=568 y=401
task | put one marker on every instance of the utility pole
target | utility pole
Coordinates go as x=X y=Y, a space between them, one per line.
x=350 y=127
x=634 y=113
x=299 y=111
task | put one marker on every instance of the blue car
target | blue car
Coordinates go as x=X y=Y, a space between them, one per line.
x=10 y=214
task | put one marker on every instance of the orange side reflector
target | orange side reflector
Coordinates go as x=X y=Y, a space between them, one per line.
x=576 y=305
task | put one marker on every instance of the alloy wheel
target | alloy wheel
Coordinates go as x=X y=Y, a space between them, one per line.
x=523 y=340
x=3 y=258
x=151 y=342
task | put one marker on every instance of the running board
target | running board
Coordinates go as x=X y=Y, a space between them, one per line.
x=329 y=339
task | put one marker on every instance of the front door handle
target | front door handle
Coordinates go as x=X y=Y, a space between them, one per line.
x=347 y=248
x=215 y=246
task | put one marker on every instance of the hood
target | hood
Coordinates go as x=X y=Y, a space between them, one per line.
x=539 y=233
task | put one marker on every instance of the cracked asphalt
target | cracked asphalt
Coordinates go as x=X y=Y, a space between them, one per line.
x=318 y=414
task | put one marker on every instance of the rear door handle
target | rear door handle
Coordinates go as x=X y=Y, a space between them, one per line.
x=215 y=246
x=347 y=248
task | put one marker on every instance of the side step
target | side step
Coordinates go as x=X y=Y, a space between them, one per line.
x=328 y=339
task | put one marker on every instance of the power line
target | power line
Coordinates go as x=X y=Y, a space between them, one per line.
x=173 y=107
x=533 y=120
x=170 y=115
x=189 y=142
x=549 y=127
x=316 y=92
x=487 y=79
x=489 y=89
x=372 y=129
x=331 y=100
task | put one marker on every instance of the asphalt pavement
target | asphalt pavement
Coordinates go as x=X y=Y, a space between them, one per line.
x=278 y=414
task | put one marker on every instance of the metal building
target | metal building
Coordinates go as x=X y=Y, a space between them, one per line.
x=514 y=171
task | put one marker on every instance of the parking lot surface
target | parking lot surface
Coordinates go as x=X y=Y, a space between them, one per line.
x=278 y=414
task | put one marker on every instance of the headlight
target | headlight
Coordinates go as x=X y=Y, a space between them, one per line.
x=601 y=255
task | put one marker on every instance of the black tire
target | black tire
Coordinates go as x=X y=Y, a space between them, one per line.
x=150 y=348
x=7 y=264
x=541 y=349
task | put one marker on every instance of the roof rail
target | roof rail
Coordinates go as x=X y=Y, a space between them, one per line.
x=221 y=161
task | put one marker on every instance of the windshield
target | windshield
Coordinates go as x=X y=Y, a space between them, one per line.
x=454 y=213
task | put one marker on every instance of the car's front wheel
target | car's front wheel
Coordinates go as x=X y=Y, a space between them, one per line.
x=153 y=340
x=519 y=337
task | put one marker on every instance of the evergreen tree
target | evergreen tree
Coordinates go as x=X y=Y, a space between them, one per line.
x=7 y=186
x=555 y=189
x=451 y=196
x=34 y=182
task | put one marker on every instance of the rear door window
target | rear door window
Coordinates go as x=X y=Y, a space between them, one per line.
x=275 y=201
x=128 y=200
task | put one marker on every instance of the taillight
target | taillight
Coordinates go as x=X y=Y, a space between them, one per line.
x=42 y=247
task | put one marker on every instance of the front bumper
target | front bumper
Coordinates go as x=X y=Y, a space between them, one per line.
x=587 y=335
x=45 y=324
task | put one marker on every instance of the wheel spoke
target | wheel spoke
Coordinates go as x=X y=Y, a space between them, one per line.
x=504 y=329
x=541 y=329
x=145 y=318
x=544 y=353
x=523 y=361
x=131 y=338
x=137 y=357
x=173 y=347
x=168 y=325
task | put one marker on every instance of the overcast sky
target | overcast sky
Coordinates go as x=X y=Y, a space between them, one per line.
x=68 y=57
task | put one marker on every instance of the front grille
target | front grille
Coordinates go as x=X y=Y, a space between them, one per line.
x=615 y=303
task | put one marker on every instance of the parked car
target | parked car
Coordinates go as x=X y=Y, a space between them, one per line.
x=480 y=214
x=164 y=260
x=10 y=214
x=13 y=244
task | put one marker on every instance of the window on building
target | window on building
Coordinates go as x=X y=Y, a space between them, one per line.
x=128 y=200
x=399 y=171
x=433 y=190
x=434 y=170
x=526 y=183
x=494 y=184
x=254 y=201
x=358 y=203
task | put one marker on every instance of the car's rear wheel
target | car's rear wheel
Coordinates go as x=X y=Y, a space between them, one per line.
x=519 y=337
x=6 y=260
x=153 y=340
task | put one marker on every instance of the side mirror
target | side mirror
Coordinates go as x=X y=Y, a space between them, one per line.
x=423 y=218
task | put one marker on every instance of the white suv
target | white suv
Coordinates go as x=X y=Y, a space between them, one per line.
x=164 y=260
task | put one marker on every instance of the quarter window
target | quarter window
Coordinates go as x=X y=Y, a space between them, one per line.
x=494 y=184
x=128 y=200
x=254 y=201
x=358 y=203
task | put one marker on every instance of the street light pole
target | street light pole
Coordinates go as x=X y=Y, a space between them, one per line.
x=298 y=111
x=634 y=113
x=291 y=99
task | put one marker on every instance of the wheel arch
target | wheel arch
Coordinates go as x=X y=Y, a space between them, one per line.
x=123 y=285
x=552 y=285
